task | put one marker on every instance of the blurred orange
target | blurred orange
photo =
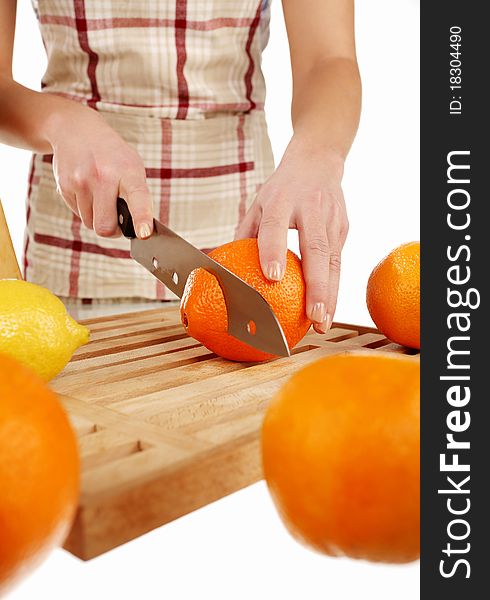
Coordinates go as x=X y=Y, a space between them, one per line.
x=341 y=457
x=39 y=471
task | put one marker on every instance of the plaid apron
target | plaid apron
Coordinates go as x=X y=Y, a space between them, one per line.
x=180 y=81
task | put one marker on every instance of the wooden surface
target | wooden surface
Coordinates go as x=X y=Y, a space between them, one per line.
x=164 y=425
x=9 y=267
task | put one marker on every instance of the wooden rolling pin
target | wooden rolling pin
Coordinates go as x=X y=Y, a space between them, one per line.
x=9 y=267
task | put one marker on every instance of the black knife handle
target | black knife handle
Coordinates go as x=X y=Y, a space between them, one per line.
x=125 y=219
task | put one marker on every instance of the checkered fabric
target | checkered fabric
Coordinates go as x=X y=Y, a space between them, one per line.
x=180 y=81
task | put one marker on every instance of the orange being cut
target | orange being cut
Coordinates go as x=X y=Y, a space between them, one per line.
x=203 y=309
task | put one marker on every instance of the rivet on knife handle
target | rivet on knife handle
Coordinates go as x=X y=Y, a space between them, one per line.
x=125 y=219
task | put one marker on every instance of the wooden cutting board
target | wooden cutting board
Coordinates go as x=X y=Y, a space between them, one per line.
x=165 y=426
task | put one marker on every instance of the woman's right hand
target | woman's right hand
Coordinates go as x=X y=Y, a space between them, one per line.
x=92 y=166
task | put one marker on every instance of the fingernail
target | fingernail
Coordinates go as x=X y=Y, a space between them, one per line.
x=275 y=271
x=325 y=326
x=318 y=312
x=320 y=328
x=144 y=231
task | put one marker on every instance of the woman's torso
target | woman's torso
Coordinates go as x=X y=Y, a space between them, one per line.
x=181 y=82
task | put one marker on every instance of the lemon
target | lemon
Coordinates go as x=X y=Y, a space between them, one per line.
x=36 y=329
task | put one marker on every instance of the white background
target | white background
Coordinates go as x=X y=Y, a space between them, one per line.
x=237 y=548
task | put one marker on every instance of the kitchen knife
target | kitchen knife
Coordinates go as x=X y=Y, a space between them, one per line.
x=171 y=259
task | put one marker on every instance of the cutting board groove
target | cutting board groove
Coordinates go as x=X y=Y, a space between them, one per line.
x=165 y=426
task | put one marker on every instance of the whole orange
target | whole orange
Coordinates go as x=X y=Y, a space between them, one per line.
x=203 y=308
x=393 y=295
x=340 y=446
x=39 y=471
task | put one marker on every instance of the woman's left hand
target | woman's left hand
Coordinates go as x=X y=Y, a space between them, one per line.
x=303 y=193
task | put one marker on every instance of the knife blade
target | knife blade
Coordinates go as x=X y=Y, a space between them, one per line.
x=171 y=259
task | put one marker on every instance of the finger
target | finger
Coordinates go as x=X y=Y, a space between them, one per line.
x=333 y=285
x=84 y=205
x=315 y=254
x=134 y=190
x=64 y=186
x=105 y=221
x=273 y=241
x=68 y=198
x=334 y=236
x=344 y=230
x=344 y=221
x=249 y=226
